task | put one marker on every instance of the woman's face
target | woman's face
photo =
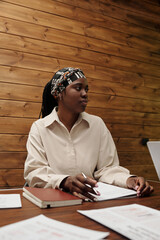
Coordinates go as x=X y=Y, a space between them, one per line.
x=75 y=97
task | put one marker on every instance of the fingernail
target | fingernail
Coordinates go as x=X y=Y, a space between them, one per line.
x=138 y=194
x=95 y=199
x=136 y=187
x=97 y=192
x=88 y=200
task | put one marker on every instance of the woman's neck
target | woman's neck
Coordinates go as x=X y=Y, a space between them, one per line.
x=67 y=118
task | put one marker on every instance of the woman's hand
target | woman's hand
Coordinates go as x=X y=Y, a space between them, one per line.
x=140 y=185
x=80 y=186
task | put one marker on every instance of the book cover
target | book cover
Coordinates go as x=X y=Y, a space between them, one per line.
x=49 y=197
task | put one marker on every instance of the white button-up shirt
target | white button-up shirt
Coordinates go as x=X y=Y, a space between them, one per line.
x=55 y=153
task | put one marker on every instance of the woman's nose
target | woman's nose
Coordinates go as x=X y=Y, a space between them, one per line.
x=84 y=93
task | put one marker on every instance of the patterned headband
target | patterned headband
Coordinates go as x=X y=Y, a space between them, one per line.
x=63 y=78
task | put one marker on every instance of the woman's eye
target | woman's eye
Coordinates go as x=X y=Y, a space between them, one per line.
x=78 y=88
x=87 y=89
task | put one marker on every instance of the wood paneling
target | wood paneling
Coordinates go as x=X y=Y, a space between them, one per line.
x=12 y=142
x=54 y=35
x=115 y=43
x=12 y=160
x=11 y=178
x=85 y=15
x=112 y=8
x=19 y=109
x=71 y=25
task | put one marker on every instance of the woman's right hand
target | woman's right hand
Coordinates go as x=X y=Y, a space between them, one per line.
x=80 y=186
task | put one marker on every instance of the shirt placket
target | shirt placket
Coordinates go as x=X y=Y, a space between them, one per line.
x=71 y=155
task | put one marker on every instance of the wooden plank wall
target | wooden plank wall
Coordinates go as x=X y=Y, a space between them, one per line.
x=115 y=42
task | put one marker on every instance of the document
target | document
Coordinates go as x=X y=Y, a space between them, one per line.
x=42 y=228
x=134 y=221
x=109 y=192
x=10 y=201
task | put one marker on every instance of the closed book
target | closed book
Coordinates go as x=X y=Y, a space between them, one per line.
x=49 y=197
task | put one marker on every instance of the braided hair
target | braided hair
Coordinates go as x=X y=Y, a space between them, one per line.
x=48 y=101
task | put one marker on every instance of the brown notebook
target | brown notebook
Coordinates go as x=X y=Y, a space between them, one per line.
x=49 y=197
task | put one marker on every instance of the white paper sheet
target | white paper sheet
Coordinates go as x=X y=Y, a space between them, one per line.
x=10 y=201
x=134 y=221
x=42 y=228
x=111 y=192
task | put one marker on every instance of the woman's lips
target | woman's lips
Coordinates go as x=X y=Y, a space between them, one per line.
x=84 y=102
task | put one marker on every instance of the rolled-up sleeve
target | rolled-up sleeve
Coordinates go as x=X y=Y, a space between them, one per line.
x=37 y=171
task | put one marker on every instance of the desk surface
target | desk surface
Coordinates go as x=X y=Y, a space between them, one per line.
x=69 y=214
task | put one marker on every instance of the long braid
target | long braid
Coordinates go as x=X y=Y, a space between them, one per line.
x=48 y=101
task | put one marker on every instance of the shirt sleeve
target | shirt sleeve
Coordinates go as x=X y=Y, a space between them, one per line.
x=37 y=171
x=108 y=169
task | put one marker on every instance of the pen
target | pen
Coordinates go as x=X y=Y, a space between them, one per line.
x=95 y=191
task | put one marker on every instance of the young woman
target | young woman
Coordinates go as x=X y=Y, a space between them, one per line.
x=68 y=144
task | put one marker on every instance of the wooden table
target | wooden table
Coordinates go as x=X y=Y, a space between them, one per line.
x=69 y=214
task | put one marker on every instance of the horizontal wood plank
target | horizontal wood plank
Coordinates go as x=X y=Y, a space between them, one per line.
x=133 y=131
x=27 y=60
x=125 y=104
x=21 y=92
x=11 y=160
x=11 y=74
x=125 y=117
x=14 y=143
x=12 y=178
x=134 y=158
x=19 y=109
x=15 y=125
x=123 y=90
x=130 y=144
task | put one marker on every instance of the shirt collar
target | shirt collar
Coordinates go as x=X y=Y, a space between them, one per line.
x=53 y=117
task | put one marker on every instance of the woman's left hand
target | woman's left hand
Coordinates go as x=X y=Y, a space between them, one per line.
x=139 y=184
